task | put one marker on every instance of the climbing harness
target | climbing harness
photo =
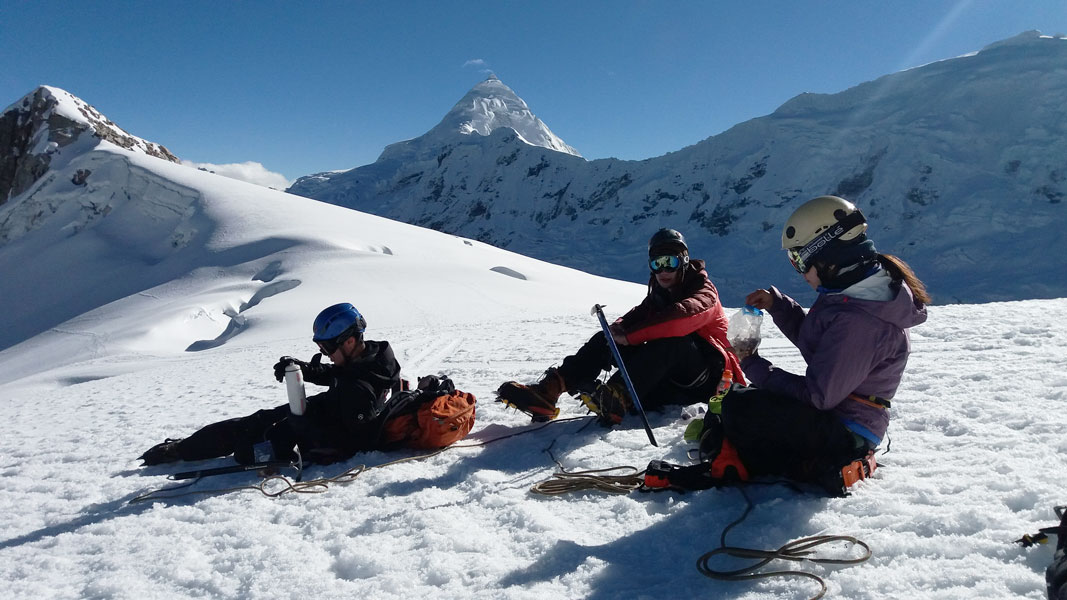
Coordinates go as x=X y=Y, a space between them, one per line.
x=872 y=401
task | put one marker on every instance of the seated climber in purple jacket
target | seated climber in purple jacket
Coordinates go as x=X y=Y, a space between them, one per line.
x=854 y=340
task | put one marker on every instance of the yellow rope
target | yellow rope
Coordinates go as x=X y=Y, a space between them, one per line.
x=574 y=481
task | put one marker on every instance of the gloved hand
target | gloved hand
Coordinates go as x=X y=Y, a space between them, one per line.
x=314 y=371
x=309 y=370
x=285 y=361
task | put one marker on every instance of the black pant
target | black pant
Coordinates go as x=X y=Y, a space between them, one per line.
x=779 y=435
x=275 y=425
x=676 y=370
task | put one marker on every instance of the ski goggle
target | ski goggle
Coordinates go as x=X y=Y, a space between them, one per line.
x=797 y=260
x=667 y=262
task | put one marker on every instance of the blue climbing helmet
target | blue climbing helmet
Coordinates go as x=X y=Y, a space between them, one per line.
x=337 y=321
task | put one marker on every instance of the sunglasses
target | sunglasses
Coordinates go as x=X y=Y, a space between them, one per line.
x=328 y=347
x=667 y=262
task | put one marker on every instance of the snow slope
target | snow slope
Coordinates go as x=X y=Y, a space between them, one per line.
x=155 y=299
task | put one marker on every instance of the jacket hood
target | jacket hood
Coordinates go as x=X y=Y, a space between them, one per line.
x=902 y=310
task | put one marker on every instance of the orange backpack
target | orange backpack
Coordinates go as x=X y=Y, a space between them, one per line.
x=436 y=416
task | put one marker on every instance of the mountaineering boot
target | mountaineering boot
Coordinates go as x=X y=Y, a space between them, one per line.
x=716 y=450
x=711 y=437
x=609 y=402
x=1056 y=573
x=726 y=469
x=162 y=453
x=838 y=480
x=537 y=400
x=727 y=466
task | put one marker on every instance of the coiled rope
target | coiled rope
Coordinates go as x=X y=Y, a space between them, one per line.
x=596 y=479
x=796 y=550
x=800 y=549
x=565 y=482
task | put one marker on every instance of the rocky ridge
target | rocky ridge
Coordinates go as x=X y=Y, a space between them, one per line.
x=50 y=125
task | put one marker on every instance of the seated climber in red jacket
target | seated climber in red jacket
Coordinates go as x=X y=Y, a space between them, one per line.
x=673 y=345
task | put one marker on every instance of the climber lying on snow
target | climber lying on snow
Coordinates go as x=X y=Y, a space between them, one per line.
x=366 y=407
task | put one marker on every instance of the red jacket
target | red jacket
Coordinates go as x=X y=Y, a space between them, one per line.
x=691 y=307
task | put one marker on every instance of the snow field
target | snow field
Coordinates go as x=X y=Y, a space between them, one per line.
x=976 y=460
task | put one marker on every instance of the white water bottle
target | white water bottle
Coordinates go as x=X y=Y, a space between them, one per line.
x=294 y=386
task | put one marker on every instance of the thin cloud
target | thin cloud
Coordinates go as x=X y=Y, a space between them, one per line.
x=481 y=64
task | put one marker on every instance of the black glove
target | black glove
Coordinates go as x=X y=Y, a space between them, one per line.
x=285 y=361
x=314 y=371
x=310 y=371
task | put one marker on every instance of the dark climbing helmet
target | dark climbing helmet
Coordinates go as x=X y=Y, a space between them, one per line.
x=665 y=241
x=337 y=321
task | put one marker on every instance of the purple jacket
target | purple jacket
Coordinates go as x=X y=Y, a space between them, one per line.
x=851 y=346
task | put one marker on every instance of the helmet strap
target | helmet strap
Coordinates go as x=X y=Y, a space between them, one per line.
x=824 y=239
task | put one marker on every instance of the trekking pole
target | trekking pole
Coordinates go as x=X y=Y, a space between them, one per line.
x=599 y=312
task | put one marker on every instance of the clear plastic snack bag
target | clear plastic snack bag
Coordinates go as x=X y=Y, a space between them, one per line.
x=743 y=331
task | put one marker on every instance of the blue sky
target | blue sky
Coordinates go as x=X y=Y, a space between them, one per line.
x=303 y=87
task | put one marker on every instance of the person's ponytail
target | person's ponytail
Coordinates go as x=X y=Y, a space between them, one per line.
x=900 y=271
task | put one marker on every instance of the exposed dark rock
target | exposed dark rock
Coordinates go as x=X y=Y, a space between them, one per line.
x=32 y=131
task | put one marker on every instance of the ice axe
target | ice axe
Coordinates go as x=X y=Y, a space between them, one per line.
x=599 y=312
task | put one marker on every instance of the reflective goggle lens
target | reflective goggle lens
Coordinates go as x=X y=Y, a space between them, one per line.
x=796 y=260
x=667 y=262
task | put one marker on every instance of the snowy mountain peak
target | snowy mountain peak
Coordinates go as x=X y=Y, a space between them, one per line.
x=47 y=125
x=938 y=156
x=488 y=106
x=1024 y=39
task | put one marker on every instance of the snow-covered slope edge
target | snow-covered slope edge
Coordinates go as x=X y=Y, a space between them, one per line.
x=193 y=259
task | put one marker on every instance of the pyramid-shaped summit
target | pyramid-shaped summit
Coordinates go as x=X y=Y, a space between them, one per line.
x=489 y=105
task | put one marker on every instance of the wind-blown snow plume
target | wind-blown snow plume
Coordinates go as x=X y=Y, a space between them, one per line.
x=250 y=171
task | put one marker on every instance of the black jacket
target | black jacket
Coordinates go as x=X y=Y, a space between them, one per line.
x=345 y=416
